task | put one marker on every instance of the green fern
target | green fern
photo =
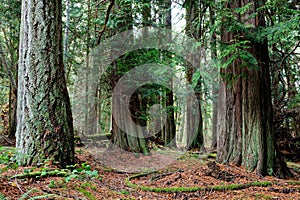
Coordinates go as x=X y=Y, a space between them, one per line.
x=26 y=195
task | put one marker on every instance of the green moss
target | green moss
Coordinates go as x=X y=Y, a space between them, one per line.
x=192 y=189
x=87 y=194
x=88 y=185
x=43 y=173
x=263 y=196
x=124 y=192
x=261 y=184
x=294 y=182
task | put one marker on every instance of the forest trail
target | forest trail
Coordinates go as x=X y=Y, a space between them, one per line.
x=189 y=177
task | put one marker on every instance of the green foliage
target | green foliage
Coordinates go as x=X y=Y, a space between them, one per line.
x=89 y=195
x=83 y=172
x=3 y=197
x=6 y=154
x=235 y=51
x=193 y=189
x=52 y=184
x=7 y=157
x=33 y=190
x=124 y=192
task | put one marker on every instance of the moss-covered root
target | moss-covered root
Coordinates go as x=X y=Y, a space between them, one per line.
x=194 y=189
x=35 y=174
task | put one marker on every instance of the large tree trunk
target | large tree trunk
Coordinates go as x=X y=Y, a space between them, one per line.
x=246 y=135
x=133 y=141
x=45 y=128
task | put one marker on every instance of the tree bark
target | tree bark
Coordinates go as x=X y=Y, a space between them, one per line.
x=194 y=126
x=133 y=141
x=215 y=86
x=45 y=127
x=246 y=135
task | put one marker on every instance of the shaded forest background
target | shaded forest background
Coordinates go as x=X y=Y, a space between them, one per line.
x=242 y=100
x=87 y=23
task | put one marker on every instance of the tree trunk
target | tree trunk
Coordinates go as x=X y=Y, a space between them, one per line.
x=246 y=135
x=215 y=86
x=45 y=127
x=12 y=112
x=12 y=107
x=193 y=123
x=133 y=141
x=66 y=40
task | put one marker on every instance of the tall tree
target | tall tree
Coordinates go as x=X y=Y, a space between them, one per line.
x=133 y=141
x=215 y=87
x=10 y=17
x=193 y=29
x=169 y=129
x=246 y=135
x=45 y=127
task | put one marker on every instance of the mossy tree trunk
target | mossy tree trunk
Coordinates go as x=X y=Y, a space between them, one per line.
x=44 y=118
x=245 y=129
x=134 y=141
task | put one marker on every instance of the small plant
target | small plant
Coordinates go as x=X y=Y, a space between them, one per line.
x=6 y=155
x=52 y=184
x=79 y=151
x=124 y=192
x=83 y=172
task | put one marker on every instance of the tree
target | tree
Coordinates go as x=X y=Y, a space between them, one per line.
x=10 y=16
x=44 y=118
x=193 y=18
x=215 y=87
x=133 y=141
x=168 y=132
x=246 y=135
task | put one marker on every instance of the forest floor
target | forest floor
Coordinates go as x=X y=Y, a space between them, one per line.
x=192 y=176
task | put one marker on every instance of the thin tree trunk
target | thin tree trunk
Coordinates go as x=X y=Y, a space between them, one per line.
x=12 y=112
x=66 y=40
x=215 y=87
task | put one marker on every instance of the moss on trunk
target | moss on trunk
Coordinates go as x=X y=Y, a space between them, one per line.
x=45 y=124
